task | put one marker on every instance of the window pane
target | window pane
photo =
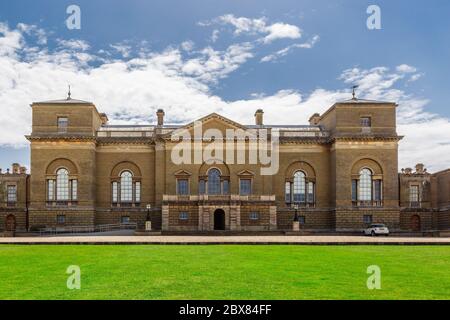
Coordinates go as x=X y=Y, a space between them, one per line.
x=74 y=189
x=226 y=186
x=60 y=218
x=50 y=190
x=354 y=190
x=183 y=215
x=366 y=122
x=114 y=192
x=245 y=187
x=414 y=193
x=62 y=185
x=213 y=181
x=183 y=186
x=299 y=187
x=201 y=187
x=126 y=187
x=310 y=192
x=377 y=190
x=254 y=215
x=63 y=123
x=11 y=193
x=287 y=192
x=365 y=185
x=138 y=192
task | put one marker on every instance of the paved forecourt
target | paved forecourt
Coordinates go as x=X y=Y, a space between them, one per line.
x=300 y=240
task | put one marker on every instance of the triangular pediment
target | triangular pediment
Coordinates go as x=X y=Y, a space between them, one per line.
x=182 y=173
x=212 y=121
x=246 y=173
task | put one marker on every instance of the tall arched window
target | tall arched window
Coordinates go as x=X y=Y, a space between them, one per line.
x=214 y=181
x=126 y=189
x=299 y=187
x=62 y=185
x=367 y=190
x=126 y=186
x=365 y=185
x=300 y=190
x=62 y=188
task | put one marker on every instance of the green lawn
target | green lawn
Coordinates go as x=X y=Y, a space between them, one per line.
x=224 y=272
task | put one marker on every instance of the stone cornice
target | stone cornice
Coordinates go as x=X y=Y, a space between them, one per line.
x=59 y=138
x=365 y=138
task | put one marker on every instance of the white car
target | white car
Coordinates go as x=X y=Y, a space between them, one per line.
x=376 y=229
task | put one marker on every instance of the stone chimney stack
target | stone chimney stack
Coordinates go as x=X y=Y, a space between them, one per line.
x=315 y=119
x=23 y=170
x=104 y=118
x=259 y=117
x=160 y=114
x=15 y=168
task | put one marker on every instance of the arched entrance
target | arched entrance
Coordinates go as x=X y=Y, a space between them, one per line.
x=219 y=219
x=415 y=223
x=10 y=223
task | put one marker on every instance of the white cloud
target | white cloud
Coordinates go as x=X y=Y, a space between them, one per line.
x=259 y=26
x=281 y=53
x=404 y=68
x=33 y=30
x=187 y=45
x=415 y=77
x=130 y=91
x=215 y=35
x=73 y=44
x=122 y=48
x=281 y=31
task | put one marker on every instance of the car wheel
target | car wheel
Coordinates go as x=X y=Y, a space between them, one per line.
x=373 y=233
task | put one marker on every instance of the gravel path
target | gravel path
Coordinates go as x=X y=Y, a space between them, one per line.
x=224 y=240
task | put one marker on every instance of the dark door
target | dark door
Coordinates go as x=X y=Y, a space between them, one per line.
x=415 y=223
x=219 y=219
x=10 y=223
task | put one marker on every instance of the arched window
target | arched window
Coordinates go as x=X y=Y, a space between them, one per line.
x=300 y=190
x=366 y=190
x=365 y=185
x=62 y=185
x=214 y=181
x=62 y=188
x=126 y=190
x=299 y=187
x=126 y=186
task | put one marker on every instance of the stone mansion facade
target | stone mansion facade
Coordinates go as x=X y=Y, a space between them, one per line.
x=338 y=173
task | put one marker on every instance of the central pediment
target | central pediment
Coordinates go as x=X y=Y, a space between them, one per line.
x=210 y=122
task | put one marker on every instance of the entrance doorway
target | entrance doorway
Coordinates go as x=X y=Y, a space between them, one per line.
x=10 y=223
x=415 y=223
x=219 y=219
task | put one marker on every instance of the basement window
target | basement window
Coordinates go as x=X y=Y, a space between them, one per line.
x=254 y=215
x=183 y=215
x=61 y=219
x=367 y=218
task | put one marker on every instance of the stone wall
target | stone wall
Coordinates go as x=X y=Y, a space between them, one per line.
x=19 y=215
x=352 y=219
x=314 y=219
x=48 y=218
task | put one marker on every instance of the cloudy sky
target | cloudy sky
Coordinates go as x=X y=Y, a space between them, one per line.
x=290 y=58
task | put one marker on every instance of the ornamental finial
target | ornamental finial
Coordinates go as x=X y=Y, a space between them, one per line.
x=353 y=92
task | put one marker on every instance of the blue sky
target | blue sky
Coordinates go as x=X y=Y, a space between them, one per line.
x=183 y=68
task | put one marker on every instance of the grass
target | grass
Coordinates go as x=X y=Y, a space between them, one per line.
x=224 y=272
